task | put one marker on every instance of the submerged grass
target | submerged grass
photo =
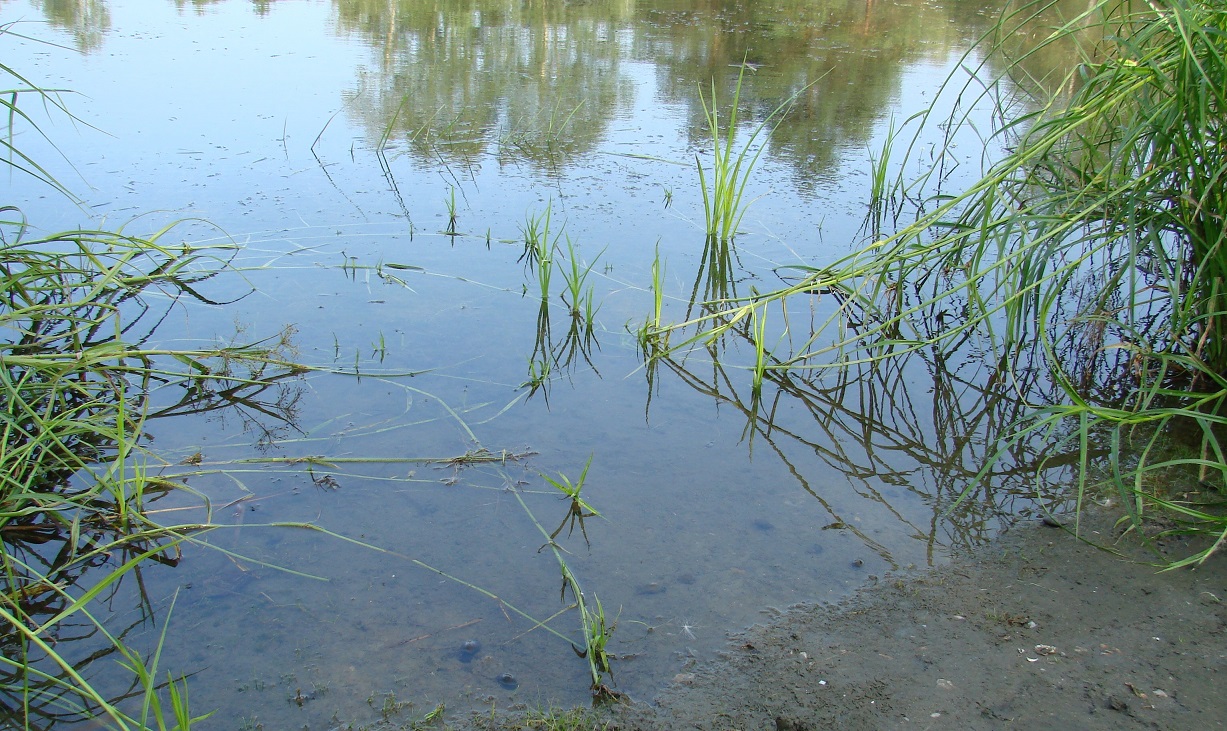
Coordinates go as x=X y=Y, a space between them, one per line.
x=1097 y=242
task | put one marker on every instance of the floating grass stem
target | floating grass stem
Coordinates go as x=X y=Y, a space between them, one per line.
x=595 y=626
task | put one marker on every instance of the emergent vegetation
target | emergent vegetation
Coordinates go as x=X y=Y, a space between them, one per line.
x=76 y=371
x=1095 y=247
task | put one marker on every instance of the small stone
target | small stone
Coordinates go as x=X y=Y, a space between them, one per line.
x=684 y=678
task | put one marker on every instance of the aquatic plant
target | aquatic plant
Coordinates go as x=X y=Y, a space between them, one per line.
x=74 y=398
x=647 y=336
x=539 y=248
x=758 y=334
x=542 y=254
x=885 y=192
x=1096 y=242
x=78 y=361
x=579 y=510
x=597 y=629
x=580 y=301
x=545 y=139
x=450 y=202
x=724 y=186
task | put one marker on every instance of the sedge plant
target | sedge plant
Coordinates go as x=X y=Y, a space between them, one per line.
x=1095 y=243
x=78 y=361
x=724 y=184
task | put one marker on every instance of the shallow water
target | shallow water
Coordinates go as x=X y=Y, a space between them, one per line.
x=327 y=141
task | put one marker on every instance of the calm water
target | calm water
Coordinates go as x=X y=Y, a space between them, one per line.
x=327 y=140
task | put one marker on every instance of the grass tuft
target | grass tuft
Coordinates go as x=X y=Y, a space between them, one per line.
x=1086 y=270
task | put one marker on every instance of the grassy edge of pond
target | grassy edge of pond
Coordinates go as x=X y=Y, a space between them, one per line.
x=1141 y=184
x=78 y=492
x=1093 y=254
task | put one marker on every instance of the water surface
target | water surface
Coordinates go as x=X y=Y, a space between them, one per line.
x=328 y=141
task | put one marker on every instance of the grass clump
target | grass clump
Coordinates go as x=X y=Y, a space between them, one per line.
x=76 y=374
x=542 y=254
x=724 y=184
x=78 y=364
x=545 y=718
x=1086 y=271
x=554 y=719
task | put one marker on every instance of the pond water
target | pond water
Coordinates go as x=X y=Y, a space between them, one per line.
x=376 y=166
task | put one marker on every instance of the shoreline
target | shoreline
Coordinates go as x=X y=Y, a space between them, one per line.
x=1037 y=629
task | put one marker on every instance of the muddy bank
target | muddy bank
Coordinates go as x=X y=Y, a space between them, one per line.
x=1037 y=631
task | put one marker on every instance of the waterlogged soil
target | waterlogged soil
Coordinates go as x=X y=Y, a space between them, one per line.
x=1037 y=630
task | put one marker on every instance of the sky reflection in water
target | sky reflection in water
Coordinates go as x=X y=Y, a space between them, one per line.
x=328 y=141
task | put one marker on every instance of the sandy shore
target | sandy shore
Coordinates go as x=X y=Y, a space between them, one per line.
x=1038 y=630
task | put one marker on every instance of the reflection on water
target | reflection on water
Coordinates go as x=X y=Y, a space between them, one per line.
x=379 y=163
x=86 y=20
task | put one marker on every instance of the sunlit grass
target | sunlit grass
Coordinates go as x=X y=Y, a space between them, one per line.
x=73 y=402
x=1096 y=243
x=78 y=363
x=724 y=184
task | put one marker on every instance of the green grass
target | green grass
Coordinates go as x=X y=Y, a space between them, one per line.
x=542 y=255
x=545 y=718
x=74 y=402
x=647 y=335
x=450 y=202
x=885 y=192
x=595 y=626
x=577 y=294
x=724 y=184
x=1089 y=265
x=729 y=174
x=78 y=361
x=539 y=248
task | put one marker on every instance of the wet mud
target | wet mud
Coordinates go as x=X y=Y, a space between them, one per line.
x=1037 y=630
